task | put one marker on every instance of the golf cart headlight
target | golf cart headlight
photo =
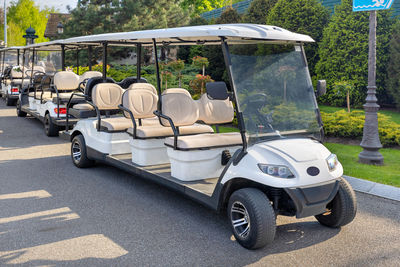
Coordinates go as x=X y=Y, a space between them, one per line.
x=276 y=170
x=332 y=162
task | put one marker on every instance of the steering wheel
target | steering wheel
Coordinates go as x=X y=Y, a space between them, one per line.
x=82 y=85
x=35 y=72
x=253 y=104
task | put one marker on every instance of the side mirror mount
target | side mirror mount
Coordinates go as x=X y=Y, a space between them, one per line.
x=217 y=91
x=321 y=87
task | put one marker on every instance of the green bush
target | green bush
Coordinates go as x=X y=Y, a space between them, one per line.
x=258 y=11
x=350 y=125
x=393 y=68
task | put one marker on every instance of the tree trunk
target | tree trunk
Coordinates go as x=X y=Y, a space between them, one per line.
x=348 y=101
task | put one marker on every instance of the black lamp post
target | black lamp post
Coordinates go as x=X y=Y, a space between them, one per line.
x=30 y=36
x=60 y=28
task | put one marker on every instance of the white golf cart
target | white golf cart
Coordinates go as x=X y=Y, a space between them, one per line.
x=12 y=79
x=51 y=86
x=276 y=163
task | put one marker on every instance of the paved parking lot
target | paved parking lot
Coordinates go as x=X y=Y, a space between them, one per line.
x=52 y=213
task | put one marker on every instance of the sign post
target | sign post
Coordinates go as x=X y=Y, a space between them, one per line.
x=370 y=141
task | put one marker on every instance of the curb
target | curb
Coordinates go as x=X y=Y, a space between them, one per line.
x=375 y=189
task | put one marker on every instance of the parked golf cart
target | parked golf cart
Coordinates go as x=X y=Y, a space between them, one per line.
x=12 y=79
x=276 y=163
x=50 y=85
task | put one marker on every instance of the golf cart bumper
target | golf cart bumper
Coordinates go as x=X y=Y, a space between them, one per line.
x=10 y=96
x=62 y=122
x=312 y=200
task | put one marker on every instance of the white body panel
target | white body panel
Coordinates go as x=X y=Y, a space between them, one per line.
x=197 y=164
x=32 y=103
x=297 y=154
x=148 y=152
x=107 y=143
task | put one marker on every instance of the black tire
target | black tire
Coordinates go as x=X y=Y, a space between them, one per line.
x=342 y=209
x=79 y=153
x=252 y=207
x=20 y=113
x=49 y=127
x=9 y=101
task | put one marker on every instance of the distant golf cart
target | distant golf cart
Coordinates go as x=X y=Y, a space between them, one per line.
x=276 y=163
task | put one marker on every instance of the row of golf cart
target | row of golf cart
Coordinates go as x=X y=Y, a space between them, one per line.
x=272 y=164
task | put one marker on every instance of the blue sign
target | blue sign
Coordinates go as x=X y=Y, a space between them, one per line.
x=367 y=5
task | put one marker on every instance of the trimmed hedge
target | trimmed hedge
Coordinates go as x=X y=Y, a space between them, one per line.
x=350 y=125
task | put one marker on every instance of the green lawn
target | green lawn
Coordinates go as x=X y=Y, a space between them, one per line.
x=393 y=114
x=389 y=173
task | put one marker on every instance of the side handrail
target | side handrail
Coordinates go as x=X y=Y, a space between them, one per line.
x=121 y=107
x=171 y=123
x=68 y=105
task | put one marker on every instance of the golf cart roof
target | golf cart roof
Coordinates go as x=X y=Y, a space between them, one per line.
x=52 y=46
x=233 y=33
x=12 y=48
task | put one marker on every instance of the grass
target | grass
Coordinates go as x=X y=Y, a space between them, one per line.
x=226 y=129
x=395 y=116
x=388 y=174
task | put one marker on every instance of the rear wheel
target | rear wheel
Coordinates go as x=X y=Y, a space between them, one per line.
x=342 y=209
x=252 y=218
x=9 y=101
x=79 y=153
x=20 y=113
x=49 y=127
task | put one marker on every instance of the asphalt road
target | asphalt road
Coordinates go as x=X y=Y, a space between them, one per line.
x=52 y=213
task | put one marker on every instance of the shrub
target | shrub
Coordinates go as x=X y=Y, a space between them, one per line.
x=258 y=11
x=198 y=83
x=350 y=125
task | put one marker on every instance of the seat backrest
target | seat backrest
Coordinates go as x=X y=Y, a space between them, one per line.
x=66 y=80
x=89 y=74
x=180 y=107
x=16 y=72
x=143 y=86
x=141 y=102
x=92 y=82
x=127 y=82
x=215 y=111
x=177 y=90
x=107 y=96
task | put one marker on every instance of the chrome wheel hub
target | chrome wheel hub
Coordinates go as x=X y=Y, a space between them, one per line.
x=76 y=152
x=240 y=219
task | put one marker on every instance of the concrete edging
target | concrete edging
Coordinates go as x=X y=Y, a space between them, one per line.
x=372 y=188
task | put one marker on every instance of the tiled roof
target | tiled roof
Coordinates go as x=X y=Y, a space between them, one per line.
x=52 y=22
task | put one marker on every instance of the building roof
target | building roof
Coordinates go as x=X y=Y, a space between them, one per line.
x=52 y=22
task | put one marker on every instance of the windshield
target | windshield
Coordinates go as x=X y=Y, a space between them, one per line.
x=48 y=61
x=274 y=91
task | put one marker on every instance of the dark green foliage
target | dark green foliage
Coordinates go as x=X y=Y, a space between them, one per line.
x=216 y=68
x=186 y=53
x=393 y=68
x=302 y=16
x=343 y=52
x=258 y=11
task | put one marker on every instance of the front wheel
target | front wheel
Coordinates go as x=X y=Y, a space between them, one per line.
x=79 y=153
x=342 y=209
x=49 y=127
x=252 y=218
x=20 y=113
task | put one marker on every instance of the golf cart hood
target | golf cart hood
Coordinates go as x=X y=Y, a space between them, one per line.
x=298 y=154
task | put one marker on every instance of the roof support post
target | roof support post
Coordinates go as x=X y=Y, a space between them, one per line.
x=158 y=74
x=104 y=61
x=33 y=64
x=77 y=62
x=138 y=60
x=239 y=115
x=63 y=57
x=90 y=51
x=18 y=57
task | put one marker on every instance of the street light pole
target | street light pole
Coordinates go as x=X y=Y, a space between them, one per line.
x=370 y=142
x=5 y=23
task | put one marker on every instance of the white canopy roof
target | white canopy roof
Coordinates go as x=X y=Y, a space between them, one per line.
x=234 y=33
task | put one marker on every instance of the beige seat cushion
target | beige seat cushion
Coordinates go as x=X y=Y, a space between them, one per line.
x=154 y=131
x=206 y=140
x=83 y=106
x=150 y=121
x=143 y=86
x=46 y=95
x=116 y=123
x=215 y=111
x=107 y=96
x=66 y=80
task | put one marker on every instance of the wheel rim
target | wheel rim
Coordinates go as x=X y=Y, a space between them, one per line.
x=240 y=219
x=76 y=152
x=46 y=124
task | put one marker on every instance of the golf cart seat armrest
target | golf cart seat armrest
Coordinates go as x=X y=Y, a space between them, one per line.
x=124 y=109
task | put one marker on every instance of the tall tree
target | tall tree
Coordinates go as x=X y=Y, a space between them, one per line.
x=21 y=15
x=302 y=16
x=258 y=11
x=393 y=67
x=343 y=52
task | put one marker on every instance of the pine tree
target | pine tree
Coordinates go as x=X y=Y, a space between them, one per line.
x=393 y=68
x=343 y=52
x=302 y=16
x=258 y=11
